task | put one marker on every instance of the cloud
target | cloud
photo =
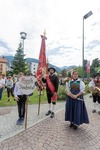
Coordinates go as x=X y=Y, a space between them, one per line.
x=63 y=22
x=92 y=45
x=5 y=45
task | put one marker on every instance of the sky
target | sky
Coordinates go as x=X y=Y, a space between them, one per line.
x=63 y=22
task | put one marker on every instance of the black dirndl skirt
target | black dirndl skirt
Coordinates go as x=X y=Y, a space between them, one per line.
x=75 y=111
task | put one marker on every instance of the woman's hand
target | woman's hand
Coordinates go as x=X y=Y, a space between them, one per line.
x=74 y=96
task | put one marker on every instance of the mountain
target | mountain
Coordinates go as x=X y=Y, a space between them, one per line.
x=9 y=58
x=64 y=67
x=29 y=60
x=57 y=68
x=68 y=67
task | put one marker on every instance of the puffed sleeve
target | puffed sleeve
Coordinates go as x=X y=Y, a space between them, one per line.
x=82 y=87
x=92 y=84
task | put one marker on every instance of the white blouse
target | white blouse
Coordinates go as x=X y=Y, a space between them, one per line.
x=82 y=85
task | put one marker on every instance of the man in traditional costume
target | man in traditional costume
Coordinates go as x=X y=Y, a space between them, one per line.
x=94 y=87
x=75 y=110
x=52 y=82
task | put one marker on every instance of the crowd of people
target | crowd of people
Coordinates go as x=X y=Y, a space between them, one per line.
x=75 y=108
x=7 y=83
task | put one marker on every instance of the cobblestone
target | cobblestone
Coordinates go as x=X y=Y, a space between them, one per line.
x=45 y=133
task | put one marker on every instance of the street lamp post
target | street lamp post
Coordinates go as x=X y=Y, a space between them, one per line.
x=23 y=37
x=84 y=17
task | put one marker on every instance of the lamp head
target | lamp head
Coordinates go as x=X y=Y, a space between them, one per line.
x=88 y=15
x=23 y=35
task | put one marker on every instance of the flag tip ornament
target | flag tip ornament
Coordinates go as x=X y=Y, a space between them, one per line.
x=44 y=33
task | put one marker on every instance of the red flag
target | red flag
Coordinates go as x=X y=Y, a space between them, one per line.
x=42 y=66
x=42 y=55
x=88 y=67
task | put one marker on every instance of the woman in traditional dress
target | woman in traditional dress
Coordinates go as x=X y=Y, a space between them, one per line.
x=75 y=110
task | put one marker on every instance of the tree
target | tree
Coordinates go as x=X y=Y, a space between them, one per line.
x=18 y=64
x=95 y=66
x=79 y=70
x=64 y=73
x=96 y=63
x=92 y=71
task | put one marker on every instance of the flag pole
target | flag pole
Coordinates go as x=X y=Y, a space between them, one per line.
x=26 y=112
x=39 y=101
x=42 y=64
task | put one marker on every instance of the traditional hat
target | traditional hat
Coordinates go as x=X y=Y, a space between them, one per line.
x=52 y=69
x=97 y=74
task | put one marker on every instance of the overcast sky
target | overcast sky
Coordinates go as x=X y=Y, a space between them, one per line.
x=62 y=20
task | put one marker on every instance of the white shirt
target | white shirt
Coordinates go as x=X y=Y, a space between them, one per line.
x=82 y=85
x=2 y=83
x=9 y=83
x=17 y=90
x=92 y=84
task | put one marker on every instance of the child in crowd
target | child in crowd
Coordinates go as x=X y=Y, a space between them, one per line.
x=2 y=84
x=21 y=101
x=9 y=86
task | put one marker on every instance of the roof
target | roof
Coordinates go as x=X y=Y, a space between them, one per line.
x=3 y=60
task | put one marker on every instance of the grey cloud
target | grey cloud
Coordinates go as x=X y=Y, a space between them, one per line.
x=89 y=54
x=59 y=50
x=76 y=49
x=94 y=24
x=5 y=45
x=93 y=44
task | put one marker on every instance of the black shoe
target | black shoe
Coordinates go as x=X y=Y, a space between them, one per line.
x=93 y=110
x=21 y=121
x=98 y=112
x=71 y=125
x=75 y=127
x=48 y=113
x=18 y=121
x=52 y=115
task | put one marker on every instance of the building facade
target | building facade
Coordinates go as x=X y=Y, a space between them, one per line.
x=3 y=66
x=33 y=67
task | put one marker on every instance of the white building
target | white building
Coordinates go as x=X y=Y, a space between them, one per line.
x=33 y=67
x=3 y=63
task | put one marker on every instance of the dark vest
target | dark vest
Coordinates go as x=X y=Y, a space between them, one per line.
x=75 y=85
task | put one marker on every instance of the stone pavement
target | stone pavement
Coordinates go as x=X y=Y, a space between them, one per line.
x=45 y=133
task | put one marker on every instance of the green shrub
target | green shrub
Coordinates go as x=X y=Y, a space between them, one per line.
x=61 y=93
x=86 y=82
x=87 y=88
x=35 y=97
